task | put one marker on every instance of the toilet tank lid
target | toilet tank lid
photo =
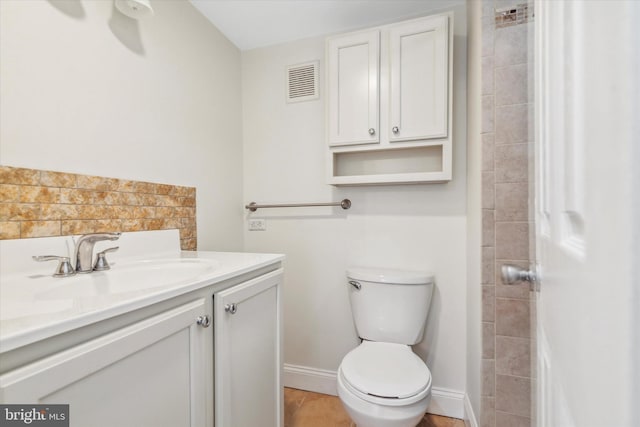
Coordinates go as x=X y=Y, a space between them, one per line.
x=385 y=275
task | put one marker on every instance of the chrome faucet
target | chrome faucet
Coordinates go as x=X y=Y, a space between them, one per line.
x=83 y=252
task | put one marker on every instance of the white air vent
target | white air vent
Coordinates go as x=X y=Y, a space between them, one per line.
x=302 y=82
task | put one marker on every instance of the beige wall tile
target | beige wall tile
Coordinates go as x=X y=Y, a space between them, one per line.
x=58 y=179
x=39 y=229
x=510 y=45
x=488 y=151
x=98 y=204
x=488 y=303
x=488 y=377
x=38 y=194
x=9 y=193
x=488 y=340
x=58 y=211
x=488 y=228
x=509 y=420
x=145 y=187
x=488 y=190
x=76 y=196
x=511 y=85
x=19 y=176
x=488 y=265
x=487 y=114
x=512 y=240
x=513 y=395
x=488 y=30
x=512 y=163
x=487 y=75
x=512 y=124
x=487 y=411
x=512 y=201
x=512 y=356
x=19 y=212
x=164 y=189
x=9 y=229
x=96 y=183
x=187 y=233
x=512 y=318
x=132 y=225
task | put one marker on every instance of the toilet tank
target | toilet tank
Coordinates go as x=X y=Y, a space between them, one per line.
x=389 y=305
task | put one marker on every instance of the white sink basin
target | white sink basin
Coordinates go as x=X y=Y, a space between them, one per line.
x=127 y=277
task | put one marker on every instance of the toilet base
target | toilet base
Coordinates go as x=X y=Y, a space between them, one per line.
x=367 y=414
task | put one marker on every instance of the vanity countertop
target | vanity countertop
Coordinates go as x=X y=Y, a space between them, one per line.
x=35 y=305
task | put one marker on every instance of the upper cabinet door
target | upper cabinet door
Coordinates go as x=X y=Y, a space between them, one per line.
x=419 y=79
x=353 y=81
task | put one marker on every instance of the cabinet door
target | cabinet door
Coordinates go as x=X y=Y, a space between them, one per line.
x=419 y=73
x=248 y=366
x=152 y=373
x=353 y=74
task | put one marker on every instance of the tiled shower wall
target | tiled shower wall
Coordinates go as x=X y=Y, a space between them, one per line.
x=506 y=139
x=37 y=203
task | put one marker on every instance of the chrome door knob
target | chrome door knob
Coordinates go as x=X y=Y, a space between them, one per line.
x=512 y=274
x=372 y=131
x=231 y=308
x=395 y=129
x=203 y=321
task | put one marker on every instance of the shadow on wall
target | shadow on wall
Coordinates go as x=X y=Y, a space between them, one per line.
x=127 y=30
x=426 y=348
x=72 y=8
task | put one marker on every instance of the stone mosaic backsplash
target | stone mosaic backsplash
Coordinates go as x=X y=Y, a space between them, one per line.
x=38 y=203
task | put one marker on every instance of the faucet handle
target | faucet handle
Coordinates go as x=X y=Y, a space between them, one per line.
x=64 y=268
x=101 y=261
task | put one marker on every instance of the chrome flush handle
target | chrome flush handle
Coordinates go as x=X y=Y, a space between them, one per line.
x=355 y=284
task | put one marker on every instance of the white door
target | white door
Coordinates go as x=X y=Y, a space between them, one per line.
x=587 y=212
x=248 y=361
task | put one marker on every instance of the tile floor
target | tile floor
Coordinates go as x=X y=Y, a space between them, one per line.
x=308 y=409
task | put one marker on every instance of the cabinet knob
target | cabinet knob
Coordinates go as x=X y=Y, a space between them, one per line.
x=203 y=321
x=231 y=308
x=372 y=131
x=395 y=129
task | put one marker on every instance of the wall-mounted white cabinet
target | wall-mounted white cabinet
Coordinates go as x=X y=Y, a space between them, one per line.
x=389 y=103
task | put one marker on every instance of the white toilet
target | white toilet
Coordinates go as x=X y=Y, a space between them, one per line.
x=382 y=383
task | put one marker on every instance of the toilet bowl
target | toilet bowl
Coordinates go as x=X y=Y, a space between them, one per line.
x=382 y=383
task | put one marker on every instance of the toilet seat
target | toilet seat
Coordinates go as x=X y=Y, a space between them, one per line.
x=385 y=373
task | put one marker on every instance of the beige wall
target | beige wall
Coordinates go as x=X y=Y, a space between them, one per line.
x=87 y=90
x=403 y=226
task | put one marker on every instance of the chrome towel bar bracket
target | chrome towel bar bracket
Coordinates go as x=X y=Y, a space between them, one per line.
x=344 y=204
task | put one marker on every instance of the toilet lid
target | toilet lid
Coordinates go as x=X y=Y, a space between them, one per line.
x=385 y=370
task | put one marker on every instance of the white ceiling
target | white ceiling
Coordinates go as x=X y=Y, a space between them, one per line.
x=256 y=23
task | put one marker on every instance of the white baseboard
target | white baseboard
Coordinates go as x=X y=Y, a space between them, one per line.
x=469 y=415
x=449 y=403
x=310 y=379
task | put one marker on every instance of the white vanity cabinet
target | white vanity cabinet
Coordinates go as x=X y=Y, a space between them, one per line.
x=389 y=104
x=248 y=356
x=176 y=361
x=153 y=372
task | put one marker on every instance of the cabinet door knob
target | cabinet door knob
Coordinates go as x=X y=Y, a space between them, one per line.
x=203 y=321
x=372 y=131
x=395 y=129
x=231 y=308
